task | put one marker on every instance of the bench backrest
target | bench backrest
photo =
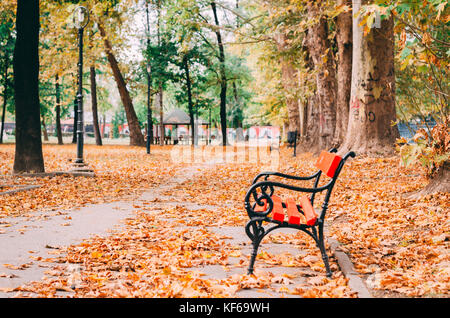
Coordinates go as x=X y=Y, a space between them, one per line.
x=328 y=162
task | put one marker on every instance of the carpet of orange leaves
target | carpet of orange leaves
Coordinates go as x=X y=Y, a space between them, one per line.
x=120 y=171
x=398 y=245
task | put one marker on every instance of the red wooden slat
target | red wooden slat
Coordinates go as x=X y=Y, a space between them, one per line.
x=277 y=213
x=308 y=210
x=294 y=217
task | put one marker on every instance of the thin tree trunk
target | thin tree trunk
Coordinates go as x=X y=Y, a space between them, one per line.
x=149 y=108
x=44 y=129
x=103 y=126
x=344 y=72
x=28 y=152
x=5 y=98
x=160 y=92
x=372 y=103
x=58 y=111
x=136 y=136
x=223 y=79
x=319 y=48
x=161 y=116
x=149 y=83
x=189 y=93
x=98 y=138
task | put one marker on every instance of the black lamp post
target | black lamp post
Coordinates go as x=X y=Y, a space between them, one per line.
x=80 y=19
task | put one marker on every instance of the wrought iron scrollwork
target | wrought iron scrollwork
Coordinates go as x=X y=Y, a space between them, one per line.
x=260 y=199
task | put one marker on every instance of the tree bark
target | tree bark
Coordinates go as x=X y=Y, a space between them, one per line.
x=223 y=79
x=98 y=138
x=372 y=103
x=136 y=136
x=28 y=153
x=319 y=48
x=58 y=111
x=344 y=72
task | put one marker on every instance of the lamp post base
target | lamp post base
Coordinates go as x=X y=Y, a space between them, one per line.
x=80 y=167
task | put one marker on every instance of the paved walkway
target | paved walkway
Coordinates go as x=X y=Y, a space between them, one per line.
x=24 y=240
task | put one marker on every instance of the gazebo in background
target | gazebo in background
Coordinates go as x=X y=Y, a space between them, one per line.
x=179 y=122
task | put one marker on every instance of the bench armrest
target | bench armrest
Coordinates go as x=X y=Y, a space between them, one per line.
x=283 y=175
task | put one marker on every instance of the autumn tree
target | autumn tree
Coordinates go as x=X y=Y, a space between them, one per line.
x=344 y=40
x=28 y=155
x=372 y=102
x=136 y=136
x=320 y=50
x=422 y=85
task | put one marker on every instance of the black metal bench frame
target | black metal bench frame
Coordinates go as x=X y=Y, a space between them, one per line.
x=255 y=229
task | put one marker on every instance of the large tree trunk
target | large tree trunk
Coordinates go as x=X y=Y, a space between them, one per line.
x=319 y=48
x=28 y=154
x=372 y=103
x=223 y=79
x=58 y=111
x=98 y=138
x=344 y=71
x=309 y=142
x=136 y=136
x=289 y=82
x=440 y=182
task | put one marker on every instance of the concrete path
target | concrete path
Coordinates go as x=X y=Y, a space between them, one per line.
x=25 y=239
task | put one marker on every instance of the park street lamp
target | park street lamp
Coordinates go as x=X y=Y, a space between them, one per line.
x=80 y=20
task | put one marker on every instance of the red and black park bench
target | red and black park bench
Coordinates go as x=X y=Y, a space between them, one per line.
x=263 y=206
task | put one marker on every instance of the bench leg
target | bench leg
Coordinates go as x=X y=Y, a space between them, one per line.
x=256 y=235
x=253 y=257
x=324 y=252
